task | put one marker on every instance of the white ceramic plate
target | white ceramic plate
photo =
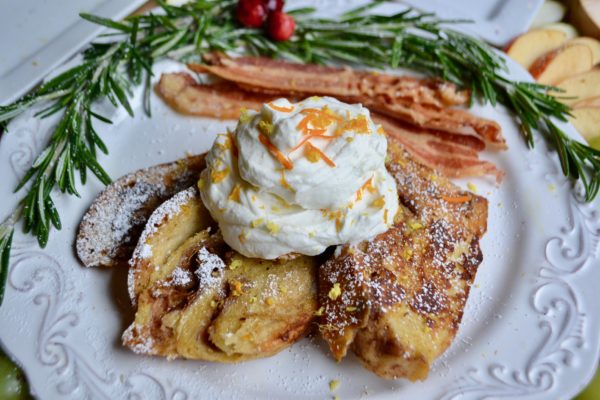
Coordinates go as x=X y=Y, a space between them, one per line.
x=498 y=21
x=530 y=329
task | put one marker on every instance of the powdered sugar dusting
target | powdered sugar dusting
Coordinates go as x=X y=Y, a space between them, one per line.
x=142 y=255
x=145 y=251
x=112 y=220
x=138 y=343
x=166 y=211
x=180 y=277
x=111 y=227
x=210 y=268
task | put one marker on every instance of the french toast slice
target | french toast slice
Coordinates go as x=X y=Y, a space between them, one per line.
x=172 y=224
x=112 y=225
x=397 y=300
x=198 y=299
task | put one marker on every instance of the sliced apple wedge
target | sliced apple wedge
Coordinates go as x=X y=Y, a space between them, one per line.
x=589 y=102
x=579 y=87
x=592 y=43
x=586 y=118
x=561 y=63
x=550 y=12
x=587 y=121
x=595 y=142
x=567 y=29
x=526 y=48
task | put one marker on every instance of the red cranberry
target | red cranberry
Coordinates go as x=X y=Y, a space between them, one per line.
x=281 y=26
x=251 y=13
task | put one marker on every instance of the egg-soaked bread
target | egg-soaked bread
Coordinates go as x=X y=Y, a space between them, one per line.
x=397 y=300
x=198 y=299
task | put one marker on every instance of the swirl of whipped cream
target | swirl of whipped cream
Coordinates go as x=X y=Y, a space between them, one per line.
x=298 y=178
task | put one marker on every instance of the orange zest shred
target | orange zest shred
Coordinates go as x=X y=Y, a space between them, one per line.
x=338 y=224
x=217 y=176
x=458 y=199
x=284 y=181
x=368 y=185
x=281 y=109
x=319 y=119
x=307 y=138
x=313 y=151
x=379 y=202
x=235 y=193
x=283 y=160
x=359 y=125
x=265 y=127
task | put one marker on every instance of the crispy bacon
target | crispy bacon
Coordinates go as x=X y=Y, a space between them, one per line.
x=276 y=76
x=420 y=102
x=452 y=155
x=222 y=100
x=447 y=120
x=450 y=158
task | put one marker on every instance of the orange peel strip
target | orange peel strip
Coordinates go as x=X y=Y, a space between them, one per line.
x=458 y=199
x=283 y=160
x=308 y=137
x=323 y=156
x=281 y=109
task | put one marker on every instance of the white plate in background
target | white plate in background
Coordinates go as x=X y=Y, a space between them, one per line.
x=36 y=36
x=496 y=21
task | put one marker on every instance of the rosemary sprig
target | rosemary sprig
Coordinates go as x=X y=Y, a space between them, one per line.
x=124 y=59
x=7 y=230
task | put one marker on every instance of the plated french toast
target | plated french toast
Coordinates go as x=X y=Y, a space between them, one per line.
x=396 y=300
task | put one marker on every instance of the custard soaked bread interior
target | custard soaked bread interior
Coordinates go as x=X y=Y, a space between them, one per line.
x=397 y=300
x=198 y=299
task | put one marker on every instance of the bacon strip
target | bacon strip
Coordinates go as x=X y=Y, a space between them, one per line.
x=221 y=100
x=419 y=102
x=276 y=76
x=447 y=120
x=451 y=159
x=438 y=150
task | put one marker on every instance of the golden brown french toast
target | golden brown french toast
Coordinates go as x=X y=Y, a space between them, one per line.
x=397 y=300
x=111 y=227
x=198 y=299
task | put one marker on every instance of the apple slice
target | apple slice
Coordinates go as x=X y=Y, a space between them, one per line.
x=579 y=87
x=589 y=102
x=551 y=11
x=561 y=63
x=567 y=29
x=592 y=43
x=595 y=142
x=525 y=49
x=587 y=121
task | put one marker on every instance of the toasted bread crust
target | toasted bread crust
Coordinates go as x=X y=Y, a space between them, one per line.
x=418 y=275
x=401 y=295
x=198 y=299
x=111 y=227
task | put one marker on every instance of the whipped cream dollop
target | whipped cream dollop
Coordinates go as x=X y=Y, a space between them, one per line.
x=298 y=178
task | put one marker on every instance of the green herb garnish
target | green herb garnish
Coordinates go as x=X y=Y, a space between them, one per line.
x=112 y=67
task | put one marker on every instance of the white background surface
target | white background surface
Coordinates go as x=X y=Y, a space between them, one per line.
x=38 y=35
